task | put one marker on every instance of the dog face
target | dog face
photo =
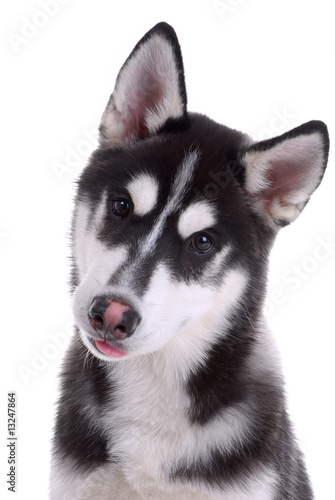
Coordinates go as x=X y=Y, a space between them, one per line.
x=155 y=259
x=175 y=214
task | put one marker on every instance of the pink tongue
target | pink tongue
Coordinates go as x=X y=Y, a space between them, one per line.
x=109 y=349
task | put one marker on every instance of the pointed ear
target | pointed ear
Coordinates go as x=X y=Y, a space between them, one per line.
x=282 y=173
x=149 y=90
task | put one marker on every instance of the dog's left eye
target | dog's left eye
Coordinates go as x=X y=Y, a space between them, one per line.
x=202 y=243
x=121 y=207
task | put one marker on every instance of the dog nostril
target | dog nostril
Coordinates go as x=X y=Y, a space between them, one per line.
x=96 y=313
x=97 y=321
x=120 y=332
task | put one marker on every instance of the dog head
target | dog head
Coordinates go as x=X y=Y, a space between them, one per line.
x=175 y=214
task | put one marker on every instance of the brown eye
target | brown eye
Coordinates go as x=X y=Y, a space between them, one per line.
x=121 y=208
x=202 y=243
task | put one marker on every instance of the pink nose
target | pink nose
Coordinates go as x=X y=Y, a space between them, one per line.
x=113 y=319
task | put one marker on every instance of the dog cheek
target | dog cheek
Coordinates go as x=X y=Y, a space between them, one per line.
x=165 y=308
x=231 y=293
x=170 y=306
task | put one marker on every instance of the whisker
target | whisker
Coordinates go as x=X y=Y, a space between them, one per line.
x=94 y=278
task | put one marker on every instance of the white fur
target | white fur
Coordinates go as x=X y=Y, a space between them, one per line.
x=85 y=230
x=265 y=357
x=79 y=236
x=143 y=190
x=109 y=483
x=196 y=217
x=180 y=185
x=186 y=313
x=65 y=484
x=93 y=259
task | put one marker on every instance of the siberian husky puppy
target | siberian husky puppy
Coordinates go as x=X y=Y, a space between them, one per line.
x=172 y=388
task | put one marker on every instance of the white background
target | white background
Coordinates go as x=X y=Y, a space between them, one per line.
x=259 y=66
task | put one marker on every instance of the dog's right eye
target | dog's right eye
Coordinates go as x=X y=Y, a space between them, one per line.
x=202 y=243
x=121 y=207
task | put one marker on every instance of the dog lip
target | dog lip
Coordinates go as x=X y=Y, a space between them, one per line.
x=107 y=348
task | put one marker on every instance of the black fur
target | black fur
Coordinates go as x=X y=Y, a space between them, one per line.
x=76 y=435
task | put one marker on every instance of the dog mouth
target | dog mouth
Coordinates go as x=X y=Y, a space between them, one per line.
x=107 y=348
x=109 y=323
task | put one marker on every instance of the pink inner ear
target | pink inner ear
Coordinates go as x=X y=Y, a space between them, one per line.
x=143 y=95
x=281 y=179
x=284 y=178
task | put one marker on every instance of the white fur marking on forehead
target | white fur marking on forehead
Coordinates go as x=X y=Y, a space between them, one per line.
x=196 y=217
x=179 y=187
x=143 y=190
